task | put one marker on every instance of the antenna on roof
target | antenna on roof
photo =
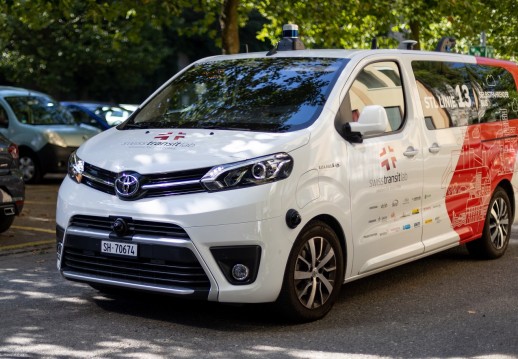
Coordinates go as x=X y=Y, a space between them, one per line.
x=374 y=43
x=290 y=40
x=407 y=44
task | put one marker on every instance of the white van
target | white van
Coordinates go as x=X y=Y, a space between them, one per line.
x=278 y=177
x=44 y=132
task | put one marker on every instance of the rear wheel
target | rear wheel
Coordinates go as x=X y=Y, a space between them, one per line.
x=5 y=222
x=314 y=274
x=497 y=228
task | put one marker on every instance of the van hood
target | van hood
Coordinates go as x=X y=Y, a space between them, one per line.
x=159 y=150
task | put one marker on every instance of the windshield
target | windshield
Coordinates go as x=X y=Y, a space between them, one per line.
x=265 y=94
x=39 y=110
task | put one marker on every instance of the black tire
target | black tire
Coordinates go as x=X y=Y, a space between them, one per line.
x=5 y=222
x=497 y=228
x=30 y=168
x=317 y=259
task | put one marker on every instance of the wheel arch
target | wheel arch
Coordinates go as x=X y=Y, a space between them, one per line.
x=508 y=188
x=337 y=228
x=27 y=150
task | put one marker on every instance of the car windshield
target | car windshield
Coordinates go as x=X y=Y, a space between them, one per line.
x=39 y=110
x=259 y=94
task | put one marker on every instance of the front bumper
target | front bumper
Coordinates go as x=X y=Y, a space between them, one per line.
x=201 y=226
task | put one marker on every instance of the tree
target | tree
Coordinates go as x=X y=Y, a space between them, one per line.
x=229 y=27
x=353 y=23
x=82 y=49
x=121 y=49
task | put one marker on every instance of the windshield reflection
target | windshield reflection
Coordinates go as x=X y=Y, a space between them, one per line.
x=265 y=94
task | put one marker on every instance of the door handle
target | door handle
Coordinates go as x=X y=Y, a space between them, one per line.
x=435 y=148
x=410 y=152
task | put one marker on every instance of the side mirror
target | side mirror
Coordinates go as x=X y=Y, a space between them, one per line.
x=373 y=121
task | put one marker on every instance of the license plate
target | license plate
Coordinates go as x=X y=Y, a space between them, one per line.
x=123 y=249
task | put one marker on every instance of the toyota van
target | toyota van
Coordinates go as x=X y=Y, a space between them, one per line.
x=278 y=177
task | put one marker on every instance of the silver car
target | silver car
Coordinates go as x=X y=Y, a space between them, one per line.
x=44 y=131
x=12 y=188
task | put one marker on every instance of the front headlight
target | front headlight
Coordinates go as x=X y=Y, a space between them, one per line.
x=76 y=166
x=252 y=172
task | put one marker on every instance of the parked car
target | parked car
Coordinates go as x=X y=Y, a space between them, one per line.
x=12 y=187
x=45 y=132
x=83 y=114
x=106 y=114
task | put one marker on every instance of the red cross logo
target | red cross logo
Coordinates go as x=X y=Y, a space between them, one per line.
x=386 y=163
x=165 y=136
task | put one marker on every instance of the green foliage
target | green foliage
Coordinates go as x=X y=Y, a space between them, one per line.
x=353 y=23
x=324 y=24
x=81 y=49
x=122 y=49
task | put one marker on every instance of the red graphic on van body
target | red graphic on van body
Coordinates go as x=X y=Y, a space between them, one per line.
x=385 y=163
x=487 y=157
x=165 y=136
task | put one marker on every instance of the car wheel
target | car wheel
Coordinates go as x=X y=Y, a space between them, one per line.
x=30 y=168
x=5 y=222
x=497 y=228
x=313 y=275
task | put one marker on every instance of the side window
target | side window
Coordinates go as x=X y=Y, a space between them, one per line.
x=4 y=120
x=377 y=84
x=495 y=91
x=457 y=94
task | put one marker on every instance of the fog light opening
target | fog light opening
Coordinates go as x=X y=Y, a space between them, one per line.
x=240 y=272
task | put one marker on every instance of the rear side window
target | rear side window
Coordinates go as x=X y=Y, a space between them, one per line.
x=458 y=94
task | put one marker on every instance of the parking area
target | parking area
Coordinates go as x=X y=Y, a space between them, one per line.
x=35 y=228
x=446 y=305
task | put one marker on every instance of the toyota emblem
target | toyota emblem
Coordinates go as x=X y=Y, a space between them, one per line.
x=127 y=185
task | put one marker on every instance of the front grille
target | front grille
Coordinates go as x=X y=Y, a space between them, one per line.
x=159 y=264
x=153 y=185
x=149 y=271
x=137 y=227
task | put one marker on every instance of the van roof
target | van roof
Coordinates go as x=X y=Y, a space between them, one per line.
x=349 y=54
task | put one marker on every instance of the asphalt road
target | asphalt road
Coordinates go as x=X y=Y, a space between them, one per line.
x=446 y=306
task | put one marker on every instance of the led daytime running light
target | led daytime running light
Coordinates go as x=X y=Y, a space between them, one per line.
x=248 y=173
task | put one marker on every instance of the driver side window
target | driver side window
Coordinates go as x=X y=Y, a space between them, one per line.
x=377 y=84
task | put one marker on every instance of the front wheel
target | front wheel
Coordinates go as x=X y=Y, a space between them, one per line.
x=314 y=274
x=30 y=168
x=497 y=228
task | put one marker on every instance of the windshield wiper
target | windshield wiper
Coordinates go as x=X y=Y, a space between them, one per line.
x=140 y=125
x=228 y=128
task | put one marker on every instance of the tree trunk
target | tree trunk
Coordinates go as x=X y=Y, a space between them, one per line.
x=229 y=27
x=415 y=29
